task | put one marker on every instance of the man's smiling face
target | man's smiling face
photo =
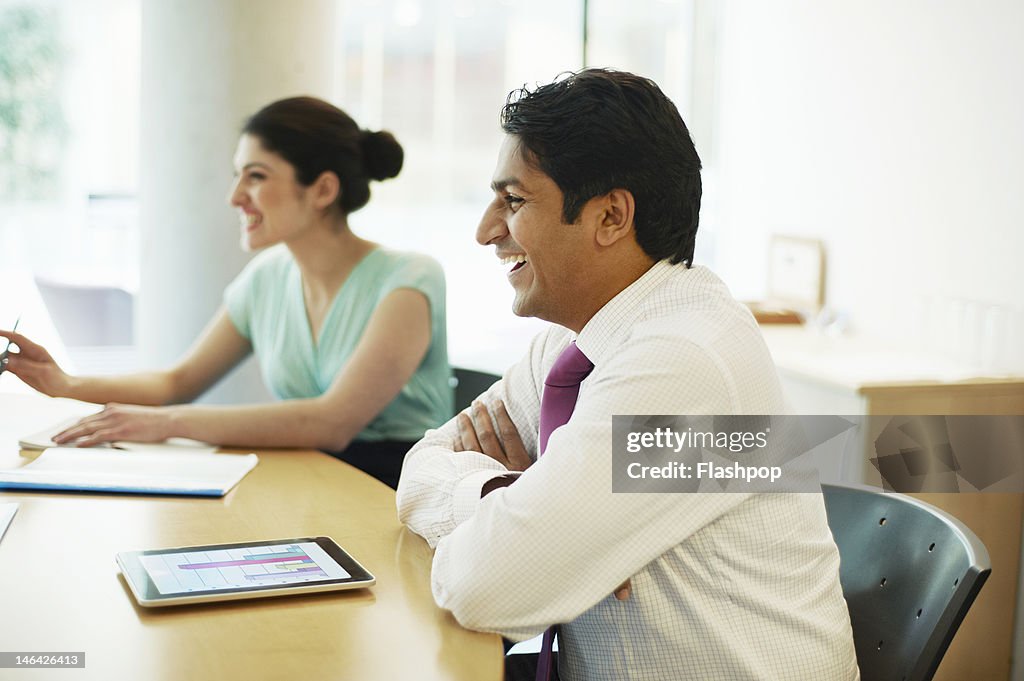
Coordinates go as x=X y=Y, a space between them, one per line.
x=547 y=259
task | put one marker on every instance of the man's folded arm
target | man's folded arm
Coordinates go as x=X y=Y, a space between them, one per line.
x=440 y=488
x=556 y=542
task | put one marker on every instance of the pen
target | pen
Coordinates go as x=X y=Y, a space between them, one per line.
x=7 y=350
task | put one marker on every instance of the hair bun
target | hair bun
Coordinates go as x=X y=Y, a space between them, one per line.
x=382 y=154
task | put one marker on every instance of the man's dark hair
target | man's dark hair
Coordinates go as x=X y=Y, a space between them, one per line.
x=598 y=130
x=315 y=136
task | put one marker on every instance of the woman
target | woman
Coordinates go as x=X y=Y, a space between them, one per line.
x=349 y=335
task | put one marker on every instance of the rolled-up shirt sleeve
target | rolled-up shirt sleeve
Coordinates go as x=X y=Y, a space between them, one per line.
x=439 y=488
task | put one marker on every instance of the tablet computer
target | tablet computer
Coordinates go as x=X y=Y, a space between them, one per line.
x=223 y=572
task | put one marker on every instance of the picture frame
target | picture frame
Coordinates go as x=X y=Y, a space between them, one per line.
x=796 y=272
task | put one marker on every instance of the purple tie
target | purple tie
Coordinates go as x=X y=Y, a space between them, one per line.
x=561 y=388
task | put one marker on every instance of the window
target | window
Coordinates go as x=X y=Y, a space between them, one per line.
x=437 y=81
x=433 y=73
x=68 y=176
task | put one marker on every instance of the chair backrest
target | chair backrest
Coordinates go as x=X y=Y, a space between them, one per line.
x=909 y=574
x=88 y=315
x=469 y=384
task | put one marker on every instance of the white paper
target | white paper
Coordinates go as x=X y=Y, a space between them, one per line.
x=108 y=470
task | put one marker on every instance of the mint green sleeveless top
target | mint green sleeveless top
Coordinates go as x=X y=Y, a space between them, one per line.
x=266 y=305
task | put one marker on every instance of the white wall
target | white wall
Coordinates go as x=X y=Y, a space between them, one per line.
x=892 y=131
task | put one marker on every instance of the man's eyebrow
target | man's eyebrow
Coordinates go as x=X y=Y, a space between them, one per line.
x=499 y=185
x=255 y=164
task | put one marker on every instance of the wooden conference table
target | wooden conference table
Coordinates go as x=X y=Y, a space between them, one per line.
x=60 y=589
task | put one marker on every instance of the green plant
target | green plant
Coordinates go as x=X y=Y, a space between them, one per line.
x=33 y=129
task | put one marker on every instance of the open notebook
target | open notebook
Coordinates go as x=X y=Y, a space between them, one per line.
x=44 y=440
x=140 y=472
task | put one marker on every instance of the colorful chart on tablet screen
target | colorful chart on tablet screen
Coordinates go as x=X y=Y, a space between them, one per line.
x=240 y=568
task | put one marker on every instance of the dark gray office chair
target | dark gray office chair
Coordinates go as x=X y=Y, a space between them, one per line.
x=909 y=572
x=468 y=384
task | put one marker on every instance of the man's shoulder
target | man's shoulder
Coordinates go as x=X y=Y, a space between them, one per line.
x=693 y=306
x=691 y=330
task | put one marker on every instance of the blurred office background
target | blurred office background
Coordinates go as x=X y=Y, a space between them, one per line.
x=887 y=132
x=120 y=118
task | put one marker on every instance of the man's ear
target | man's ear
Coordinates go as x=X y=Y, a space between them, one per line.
x=616 y=210
x=325 y=190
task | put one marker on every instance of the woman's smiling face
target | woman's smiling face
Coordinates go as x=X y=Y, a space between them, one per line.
x=273 y=205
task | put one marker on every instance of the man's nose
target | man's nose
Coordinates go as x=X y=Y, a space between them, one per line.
x=492 y=225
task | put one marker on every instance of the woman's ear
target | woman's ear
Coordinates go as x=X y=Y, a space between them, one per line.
x=326 y=190
x=616 y=210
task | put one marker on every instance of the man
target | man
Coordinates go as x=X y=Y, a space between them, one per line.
x=597 y=191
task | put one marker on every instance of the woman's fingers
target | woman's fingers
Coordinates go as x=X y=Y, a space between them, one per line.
x=84 y=428
x=25 y=347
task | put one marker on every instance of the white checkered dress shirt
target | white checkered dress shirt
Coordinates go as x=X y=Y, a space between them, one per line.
x=725 y=586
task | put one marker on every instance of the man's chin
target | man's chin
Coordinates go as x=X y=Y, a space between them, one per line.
x=527 y=311
x=521 y=307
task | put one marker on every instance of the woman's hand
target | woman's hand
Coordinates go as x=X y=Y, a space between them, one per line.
x=34 y=365
x=120 y=422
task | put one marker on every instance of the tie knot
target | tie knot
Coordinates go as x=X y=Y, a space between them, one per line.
x=571 y=367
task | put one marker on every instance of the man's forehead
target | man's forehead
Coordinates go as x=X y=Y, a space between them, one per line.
x=512 y=169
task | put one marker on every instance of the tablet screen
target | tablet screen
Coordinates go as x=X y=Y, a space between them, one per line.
x=242 y=567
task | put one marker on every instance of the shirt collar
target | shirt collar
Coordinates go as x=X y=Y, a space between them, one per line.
x=598 y=336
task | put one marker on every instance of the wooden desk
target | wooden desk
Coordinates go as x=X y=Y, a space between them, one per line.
x=60 y=589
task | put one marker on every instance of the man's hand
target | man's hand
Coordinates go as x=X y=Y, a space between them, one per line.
x=624 y=591
x=479 y=434
x=119 y=422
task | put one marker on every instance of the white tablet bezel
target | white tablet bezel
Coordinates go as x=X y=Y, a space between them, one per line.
x=147 y=595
